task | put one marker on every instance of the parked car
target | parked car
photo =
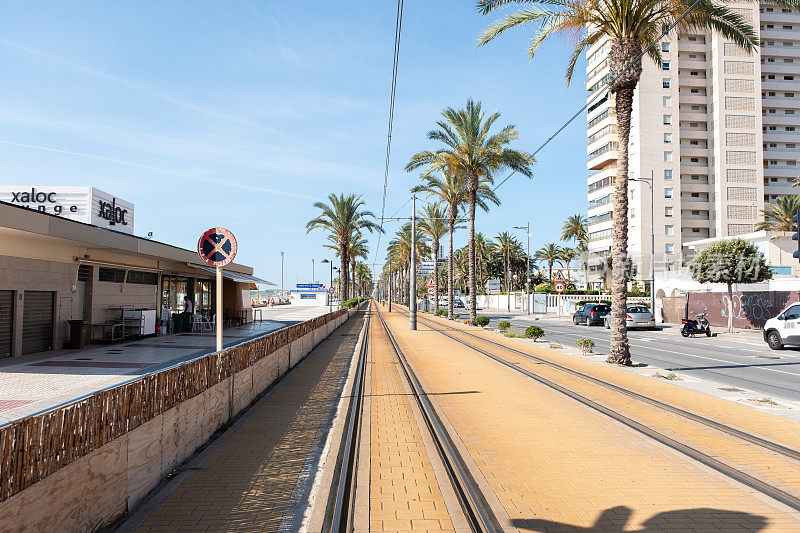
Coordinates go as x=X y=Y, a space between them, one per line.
x=458 y=302
x=591 y=314
x=639 y=316
x=784 y=329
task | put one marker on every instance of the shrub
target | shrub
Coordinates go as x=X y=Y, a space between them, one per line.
x=585 y=345
x=455 y=315
x=534 y=332
x=504 y=325
x=513 y=333
x=582 y=302
x=544 y=287
x=441 y=312
x=482 y=321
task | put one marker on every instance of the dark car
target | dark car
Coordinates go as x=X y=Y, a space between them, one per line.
x=591 y=314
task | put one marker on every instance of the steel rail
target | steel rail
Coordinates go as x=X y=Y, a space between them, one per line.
x=743 y=435
x=478 y=512
x=753 y=482
x=341 y=514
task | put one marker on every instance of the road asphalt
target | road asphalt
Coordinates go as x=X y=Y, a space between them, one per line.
x=747 y=364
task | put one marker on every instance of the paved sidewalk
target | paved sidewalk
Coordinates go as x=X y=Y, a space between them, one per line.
x=557 y=466
x=35 y=382
x=251 y=481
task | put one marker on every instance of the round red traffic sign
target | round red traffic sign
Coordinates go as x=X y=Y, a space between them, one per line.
x=431 y=290
x=559 y=286
x=217 y=247
x=331 y=290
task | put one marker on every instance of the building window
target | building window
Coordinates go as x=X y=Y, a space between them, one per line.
x=665 y=65
x=666 y=101
x=667 y=138
x=667 y=120
x=668 y=192
x=668 y=174
x=665 y=83
x=137 y=277
x=112 y=275
x=668 y=212
x=665 y=47
x=669 y=230
x=668 y=156
x=669 y=249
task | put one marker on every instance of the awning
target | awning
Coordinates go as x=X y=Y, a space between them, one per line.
x=234 y=276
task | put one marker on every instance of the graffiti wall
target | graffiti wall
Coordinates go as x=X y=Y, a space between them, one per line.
x=750 y=309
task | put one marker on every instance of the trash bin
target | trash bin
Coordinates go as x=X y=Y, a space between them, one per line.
x=77 y=334
x=177 y=323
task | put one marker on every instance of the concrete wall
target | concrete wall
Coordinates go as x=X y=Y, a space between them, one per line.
x=99 y=487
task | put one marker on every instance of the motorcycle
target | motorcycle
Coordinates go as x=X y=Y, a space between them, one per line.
x=694 y=327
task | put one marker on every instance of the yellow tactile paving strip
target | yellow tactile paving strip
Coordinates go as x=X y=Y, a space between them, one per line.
x=556 y=465
x=751 y=459
x=246 y=484
x=404 y=492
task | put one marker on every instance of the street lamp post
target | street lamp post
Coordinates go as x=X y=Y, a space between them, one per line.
x=650 y=183
x=330 y=294
x=312 y=271
x=279 y=299
x=412 y=288
x=527 y=229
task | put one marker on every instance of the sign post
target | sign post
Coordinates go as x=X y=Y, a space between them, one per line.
x=559 y=284
x=217 y=247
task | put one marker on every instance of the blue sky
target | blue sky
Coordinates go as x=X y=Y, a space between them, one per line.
x=242 y=114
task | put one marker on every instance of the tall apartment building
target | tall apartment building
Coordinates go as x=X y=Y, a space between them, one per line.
x=716 y=127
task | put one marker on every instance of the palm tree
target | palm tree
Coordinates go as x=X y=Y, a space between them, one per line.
x=343 y=216
x=364 y=277
x=567 y=256
x=778 y=217
x=575 y=228
x=629 y=25
x=474 y=155
x=507 y=247
x=549 y=253
x=356 y=249
x=400 y=250
x=452 y=192
x=434 y=225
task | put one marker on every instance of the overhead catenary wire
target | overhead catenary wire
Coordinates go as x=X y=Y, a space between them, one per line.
x=398 y=26
x=604 y=90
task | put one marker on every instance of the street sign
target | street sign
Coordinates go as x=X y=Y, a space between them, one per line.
x=217 y=247
x=560 y=286
x=331 y=290
x=431 y=291
x=430 y=282
x=318 y=286
x=559 y=276
x=493 y=286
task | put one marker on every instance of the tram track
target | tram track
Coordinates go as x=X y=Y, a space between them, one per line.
x=476 y=509
x=787 y=497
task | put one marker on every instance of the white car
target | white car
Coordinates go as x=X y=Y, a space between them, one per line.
x=784 y=329
x=637 y=316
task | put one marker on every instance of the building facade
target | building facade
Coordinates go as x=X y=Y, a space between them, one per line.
x=714 y=127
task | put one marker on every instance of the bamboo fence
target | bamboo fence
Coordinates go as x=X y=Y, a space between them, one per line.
x=32 y=448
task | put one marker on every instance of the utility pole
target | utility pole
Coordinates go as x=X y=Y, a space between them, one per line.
x=279 y=299
x=527 y=229
x=412 y=300
x=390 y=285
x=312 y=270
x=650 y=182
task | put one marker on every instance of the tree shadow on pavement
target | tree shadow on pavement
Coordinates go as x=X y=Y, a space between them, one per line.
x=615 y=520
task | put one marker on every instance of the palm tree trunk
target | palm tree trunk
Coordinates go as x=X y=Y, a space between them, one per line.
x=353 y=274
x=343 y=272
x=472 y=279
x=619 y=352
x=450 y=275
x=436 y=275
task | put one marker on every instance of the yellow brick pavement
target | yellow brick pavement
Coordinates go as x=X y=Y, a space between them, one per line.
x=404 y=492
x=557 y=466
x=245 y=485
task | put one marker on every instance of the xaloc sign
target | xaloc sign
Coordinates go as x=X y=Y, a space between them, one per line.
x=84 y=204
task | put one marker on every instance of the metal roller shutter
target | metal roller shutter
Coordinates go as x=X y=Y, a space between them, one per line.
x=37 y=322
x=6 y=322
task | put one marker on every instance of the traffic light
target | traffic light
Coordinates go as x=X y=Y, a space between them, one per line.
x=796 y=236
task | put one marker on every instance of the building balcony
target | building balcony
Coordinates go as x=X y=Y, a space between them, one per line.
x=769 y=34
x=692 y=81
x=694 y=151
x=775 y=50
x=695 y=205
x=777 y=17
x=693 y=116
x=781 y=153
x=782 y=171
x=695 y=222
x=603 y=156
x=774 y=119
x=691 y=98
x=694 y=234
x=689 y=46
x=779 y=85
x=781 y=103
x=782 y=136
x=689 y=133
x=693 y=64
x=775 y=189
x=689 y=167
x=779 y=68
x=691 y=186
